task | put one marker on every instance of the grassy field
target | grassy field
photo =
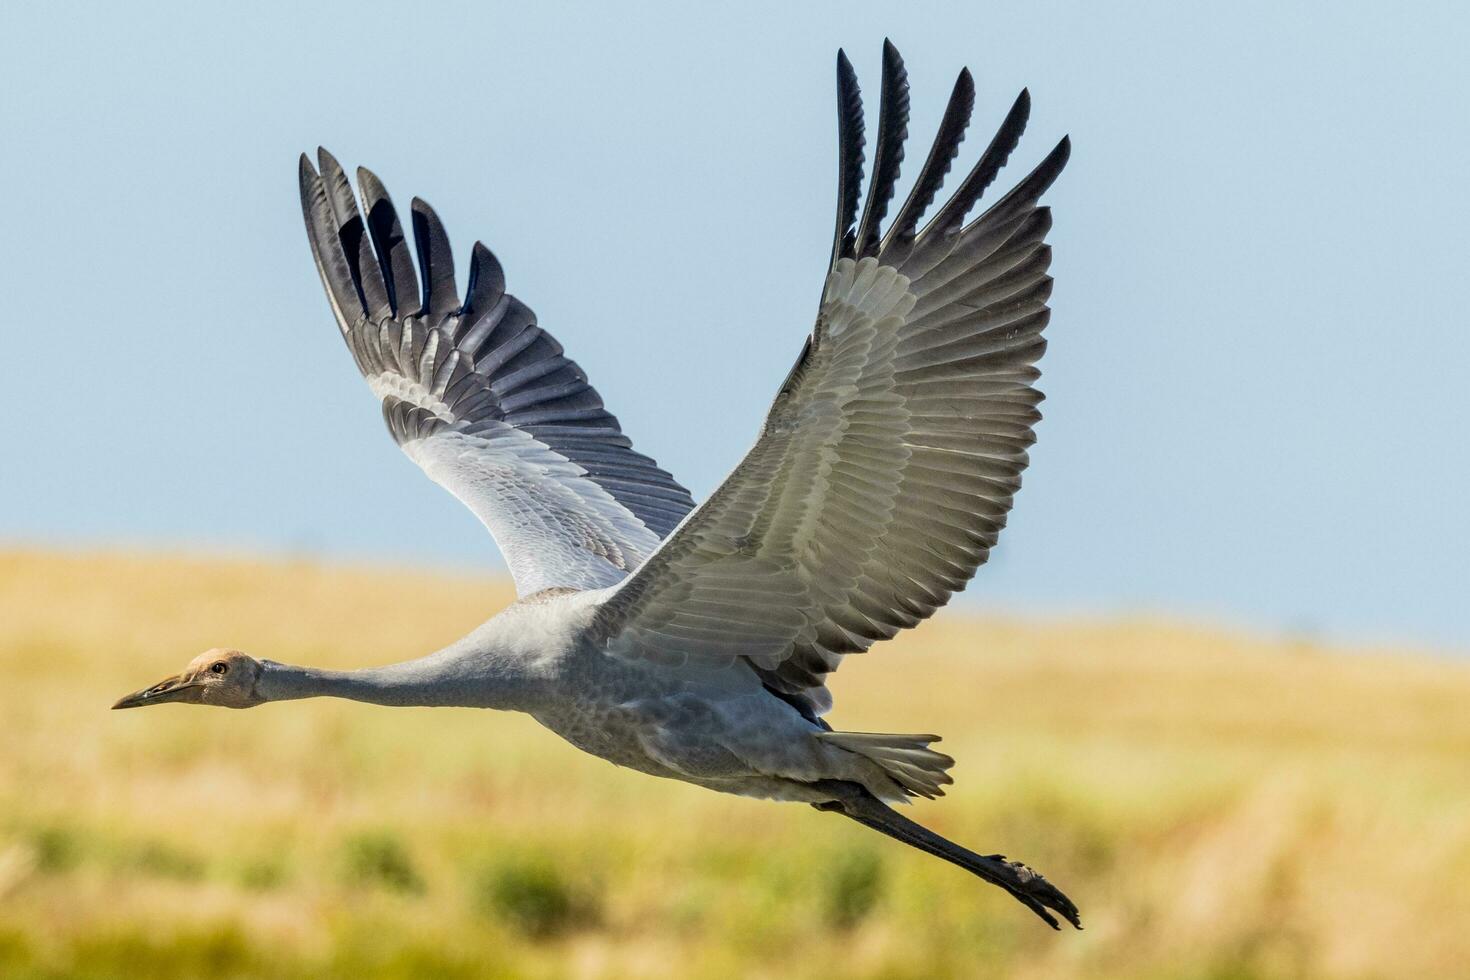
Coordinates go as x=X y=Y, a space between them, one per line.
x=1219 y=806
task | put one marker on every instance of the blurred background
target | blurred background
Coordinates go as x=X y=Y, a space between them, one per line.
x=1211 y=680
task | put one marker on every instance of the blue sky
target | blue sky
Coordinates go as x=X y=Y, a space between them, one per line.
x=1257 y=374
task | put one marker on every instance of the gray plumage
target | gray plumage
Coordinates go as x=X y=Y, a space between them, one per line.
x=694 y=643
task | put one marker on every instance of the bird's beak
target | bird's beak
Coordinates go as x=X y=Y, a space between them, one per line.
x=172 y=688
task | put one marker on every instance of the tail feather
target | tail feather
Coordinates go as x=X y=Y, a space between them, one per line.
x=906 y=759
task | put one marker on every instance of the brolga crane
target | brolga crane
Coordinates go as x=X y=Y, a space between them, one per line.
x=694 y=642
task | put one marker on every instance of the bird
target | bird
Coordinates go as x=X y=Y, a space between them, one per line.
x=695 y=642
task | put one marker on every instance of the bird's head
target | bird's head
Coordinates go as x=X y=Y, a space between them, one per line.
x=225 y=678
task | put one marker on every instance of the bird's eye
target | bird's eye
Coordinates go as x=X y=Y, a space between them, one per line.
x=219 y=667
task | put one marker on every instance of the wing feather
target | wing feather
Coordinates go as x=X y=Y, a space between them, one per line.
x=436 y=264
x=892 y=453
x=849 y=156
x=483 y=398
x=893 y=123
x=390 y=244
x=356 y=243
x=899 y=238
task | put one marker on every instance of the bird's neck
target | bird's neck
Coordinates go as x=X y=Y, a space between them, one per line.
x=454 y=677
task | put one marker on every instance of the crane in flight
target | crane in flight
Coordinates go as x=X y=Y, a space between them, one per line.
x=694 y=642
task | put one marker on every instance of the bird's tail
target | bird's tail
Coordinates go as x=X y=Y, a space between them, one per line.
x=1028 y=887
x=907 y=759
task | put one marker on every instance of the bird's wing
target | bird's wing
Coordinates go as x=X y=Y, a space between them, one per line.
x=887 y=464
x=481 y=397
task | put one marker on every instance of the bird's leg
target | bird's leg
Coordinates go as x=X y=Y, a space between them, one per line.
x=1028 y=887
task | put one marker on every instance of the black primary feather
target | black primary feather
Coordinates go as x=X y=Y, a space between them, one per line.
x=952 y=214
x=936 y=166
x=394 y=257
x=326 y=246
x=436 y=263
x=1025 y=194
x=849 y=156
x=355 y=245
x=486 y=287
x=893 y=130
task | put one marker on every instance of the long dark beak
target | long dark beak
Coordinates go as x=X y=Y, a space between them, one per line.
x=168 y=689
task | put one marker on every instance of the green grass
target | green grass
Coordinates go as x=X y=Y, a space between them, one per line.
x=534 y=897
x=1220 y=806
x=854 y=884
x=380 y=859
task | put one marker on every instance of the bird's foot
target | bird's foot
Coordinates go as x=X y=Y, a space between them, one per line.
x=1032 y=889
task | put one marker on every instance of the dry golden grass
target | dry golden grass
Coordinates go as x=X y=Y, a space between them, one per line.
x=1219 y=806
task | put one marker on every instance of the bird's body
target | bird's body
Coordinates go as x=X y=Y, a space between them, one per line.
x=690 y=642
x=716 y=727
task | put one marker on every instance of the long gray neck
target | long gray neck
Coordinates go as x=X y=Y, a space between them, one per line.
x=460 y=675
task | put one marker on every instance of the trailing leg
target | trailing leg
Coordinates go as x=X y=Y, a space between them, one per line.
x=1029 y=887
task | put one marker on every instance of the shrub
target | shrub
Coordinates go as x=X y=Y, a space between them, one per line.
x=380 y=859
x=57 y=849
x=854 y=884
x=263 y=874
x=164 y=860
x=532 y=897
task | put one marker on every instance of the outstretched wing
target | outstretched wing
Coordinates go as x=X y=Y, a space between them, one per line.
x=481 y=397
x=888 y=462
